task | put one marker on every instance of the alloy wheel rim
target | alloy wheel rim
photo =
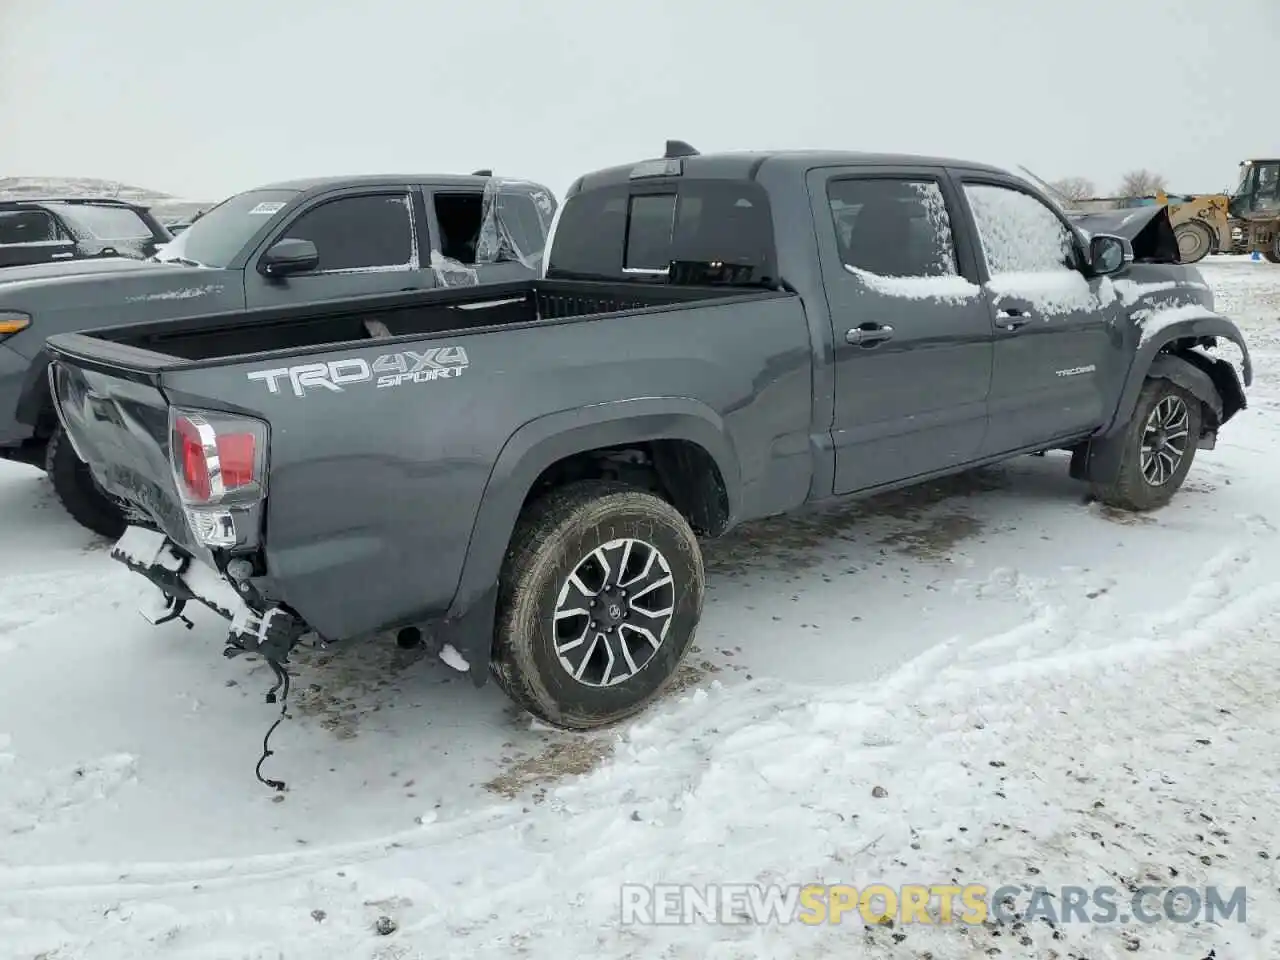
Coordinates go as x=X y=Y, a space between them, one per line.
x=613 y=612
x=1164 y=440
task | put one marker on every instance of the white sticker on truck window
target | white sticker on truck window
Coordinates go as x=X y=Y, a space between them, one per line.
x=389 y=370
x=266 y=209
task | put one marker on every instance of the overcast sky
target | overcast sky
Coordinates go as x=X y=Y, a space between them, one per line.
x=205 y=99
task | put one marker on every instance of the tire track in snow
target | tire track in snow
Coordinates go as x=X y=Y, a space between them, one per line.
x=1085 y=618
x=138 y=880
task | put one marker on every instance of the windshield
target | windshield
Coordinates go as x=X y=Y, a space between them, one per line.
x=104 y=222
x=1243 y=184
x=215 y=238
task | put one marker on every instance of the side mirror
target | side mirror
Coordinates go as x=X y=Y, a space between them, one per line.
x=287 y=257
x=1108 y=254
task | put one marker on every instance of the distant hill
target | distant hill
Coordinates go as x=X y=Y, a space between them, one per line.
x=167 y=208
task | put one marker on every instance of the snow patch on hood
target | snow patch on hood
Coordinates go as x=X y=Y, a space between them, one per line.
x=950 y=288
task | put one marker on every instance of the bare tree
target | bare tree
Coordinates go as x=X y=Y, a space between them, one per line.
x=1074 y=188
x=1142 y=183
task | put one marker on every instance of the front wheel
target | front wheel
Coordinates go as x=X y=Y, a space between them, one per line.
x=78 y=492
x=1160 y=442
x=1195 y=241
x=598 y=602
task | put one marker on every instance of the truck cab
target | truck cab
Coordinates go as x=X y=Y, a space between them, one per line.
x=313 y=240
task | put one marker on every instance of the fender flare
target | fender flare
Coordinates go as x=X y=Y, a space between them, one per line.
x=35 y=406
x=1212 y=380
x=1148 y=362
x=534 y=447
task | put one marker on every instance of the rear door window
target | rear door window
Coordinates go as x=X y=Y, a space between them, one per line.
x=893 y=227
x=526 y=222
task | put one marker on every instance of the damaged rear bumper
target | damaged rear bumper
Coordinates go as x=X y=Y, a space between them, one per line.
x=179 y=578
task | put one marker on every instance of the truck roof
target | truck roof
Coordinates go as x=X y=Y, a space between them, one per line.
x=307 y=184
x=743 y=165
x=90 y=201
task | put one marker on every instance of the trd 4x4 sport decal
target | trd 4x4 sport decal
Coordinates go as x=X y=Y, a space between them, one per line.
x=389 y=370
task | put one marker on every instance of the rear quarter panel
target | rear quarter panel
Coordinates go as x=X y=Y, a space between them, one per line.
x=374 y=492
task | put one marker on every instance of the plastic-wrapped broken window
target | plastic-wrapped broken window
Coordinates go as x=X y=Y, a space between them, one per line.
x=515 y=219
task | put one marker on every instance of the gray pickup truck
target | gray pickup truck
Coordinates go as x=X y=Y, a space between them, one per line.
x=521 y=474
x=278 y=245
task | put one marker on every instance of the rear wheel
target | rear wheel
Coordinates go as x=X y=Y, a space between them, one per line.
x=598 y=603
x=78 y=492
x=1195 y=241
x=1273 y=254
x=1160 y=442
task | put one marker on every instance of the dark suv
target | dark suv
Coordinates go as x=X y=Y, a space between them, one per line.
x=54 y=229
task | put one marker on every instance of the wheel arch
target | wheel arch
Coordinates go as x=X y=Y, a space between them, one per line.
x=35 y=406
x=1155 y=356
x=689 y=442
x=1171 y=355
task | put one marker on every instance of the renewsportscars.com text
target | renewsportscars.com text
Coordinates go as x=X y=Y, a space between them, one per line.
x=738 y=903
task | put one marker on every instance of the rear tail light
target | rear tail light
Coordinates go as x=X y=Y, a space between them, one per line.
x=219 y=462
x=12 y=322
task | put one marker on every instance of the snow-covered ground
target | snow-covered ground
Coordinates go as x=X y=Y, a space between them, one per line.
x=985 y=681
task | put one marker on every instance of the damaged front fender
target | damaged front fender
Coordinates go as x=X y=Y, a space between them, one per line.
x=1172 y=348
x=1148 y=230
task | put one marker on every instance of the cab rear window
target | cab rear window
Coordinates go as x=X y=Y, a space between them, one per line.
x=694 y=231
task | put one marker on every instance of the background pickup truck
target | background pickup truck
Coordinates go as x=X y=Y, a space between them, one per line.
x=524 y=472
x=284 y=244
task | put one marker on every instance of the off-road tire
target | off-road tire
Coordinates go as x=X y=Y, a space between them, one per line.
x=1273 y=254
x=78 y=492
x=553 y=535
x=1200 y=233
x=1130 y=490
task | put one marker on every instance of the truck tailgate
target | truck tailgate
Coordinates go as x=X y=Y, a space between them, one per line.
x=118 y=421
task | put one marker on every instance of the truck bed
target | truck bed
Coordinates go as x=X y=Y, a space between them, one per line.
x=379 y=482
x=215 y=338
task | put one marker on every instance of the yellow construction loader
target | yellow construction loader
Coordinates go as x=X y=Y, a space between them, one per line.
x=1201 y=223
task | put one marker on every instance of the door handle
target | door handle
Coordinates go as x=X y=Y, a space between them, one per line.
x=1012 y=319
x=869 y=334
